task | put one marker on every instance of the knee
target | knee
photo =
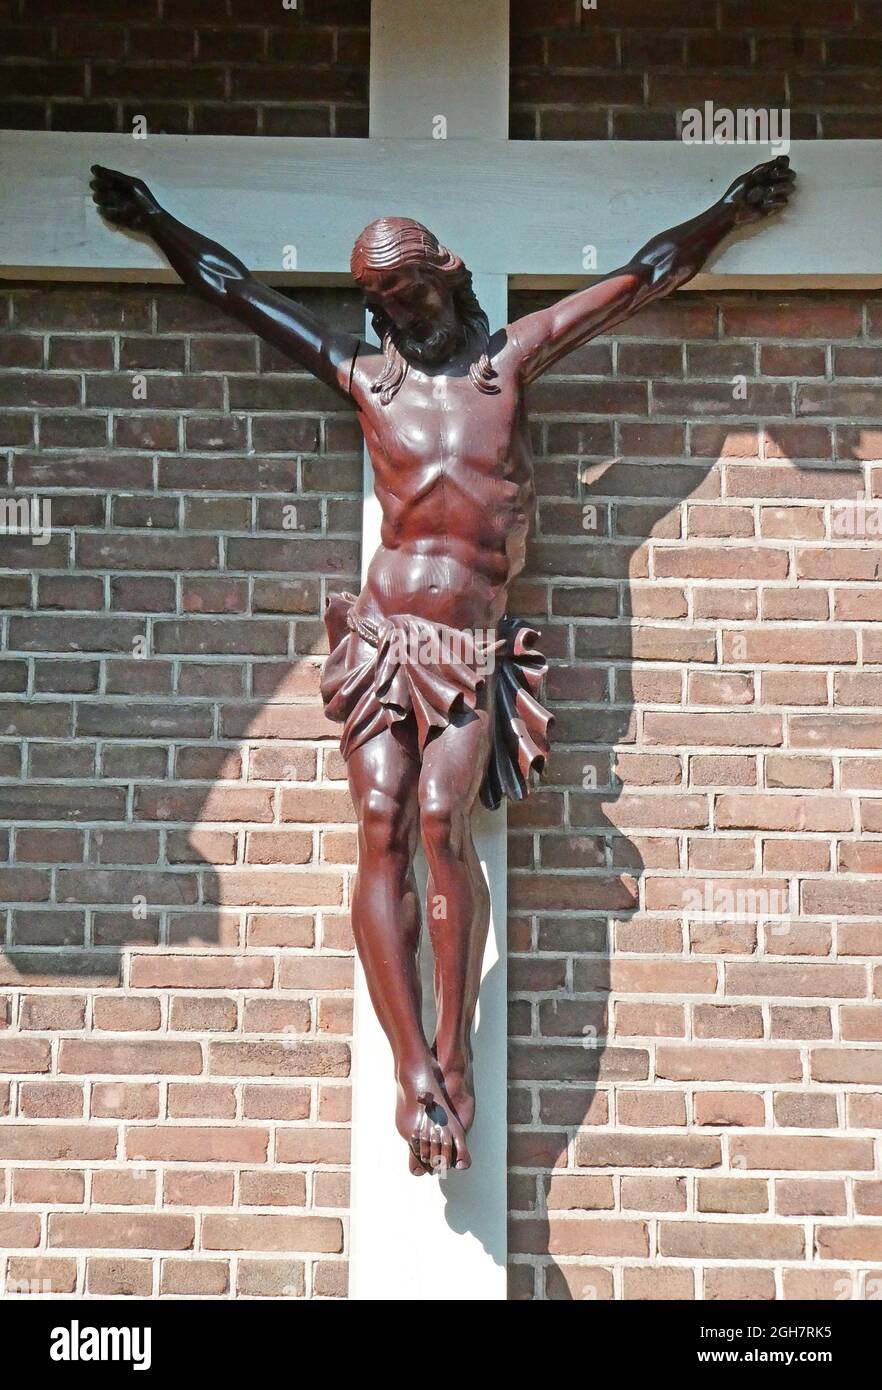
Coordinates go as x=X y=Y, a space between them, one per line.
x=444 y=826
x=384 y=827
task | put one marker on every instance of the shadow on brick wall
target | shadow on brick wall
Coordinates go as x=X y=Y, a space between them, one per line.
x=171 y=615
x=562 y=1141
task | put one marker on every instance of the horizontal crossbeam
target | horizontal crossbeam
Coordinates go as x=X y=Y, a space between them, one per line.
x=291 y=208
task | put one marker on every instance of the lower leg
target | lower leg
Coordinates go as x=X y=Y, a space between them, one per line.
x=458 y=907
x=458 y=915
x=386 y=926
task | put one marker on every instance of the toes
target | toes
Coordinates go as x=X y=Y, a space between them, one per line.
x=462 y=1156
x=415 y=1166
x=440 y=1164
x=414 y=1143
x=437 y=1142
x=447 y=1151
x=426 y=1140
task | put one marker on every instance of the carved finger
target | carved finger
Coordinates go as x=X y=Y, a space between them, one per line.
x=111 y=175
x=114 y=212
x=107 y=190
x=774 y=167
x=758 y=171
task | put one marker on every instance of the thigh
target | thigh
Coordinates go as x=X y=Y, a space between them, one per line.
x=454 y=762
x=383 y=776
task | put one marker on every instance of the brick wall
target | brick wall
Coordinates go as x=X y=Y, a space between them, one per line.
x=696 y=1019
x=206 y=67
x=624 y=69
x=176 y=850
x=695 y=1099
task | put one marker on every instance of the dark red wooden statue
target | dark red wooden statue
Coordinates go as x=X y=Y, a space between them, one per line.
x=435 y=684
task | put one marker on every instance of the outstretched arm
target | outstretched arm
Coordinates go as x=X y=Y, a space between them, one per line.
x=664 y=263
x=217 y=275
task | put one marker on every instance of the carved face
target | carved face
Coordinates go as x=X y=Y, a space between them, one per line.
x=420 y=307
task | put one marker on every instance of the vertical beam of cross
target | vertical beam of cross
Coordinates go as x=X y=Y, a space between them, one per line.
x=437 y=71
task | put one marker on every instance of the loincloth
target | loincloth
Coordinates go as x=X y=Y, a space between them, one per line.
x=430 y=671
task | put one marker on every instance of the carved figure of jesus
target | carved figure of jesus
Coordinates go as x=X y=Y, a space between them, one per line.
x=436 y=685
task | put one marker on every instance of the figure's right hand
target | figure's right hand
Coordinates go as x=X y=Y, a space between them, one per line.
x=121 y=198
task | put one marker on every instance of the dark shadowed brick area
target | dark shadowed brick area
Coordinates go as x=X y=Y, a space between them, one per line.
x=203 y=67
x=625 y=69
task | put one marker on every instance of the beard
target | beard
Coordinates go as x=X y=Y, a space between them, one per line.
x=439 y=345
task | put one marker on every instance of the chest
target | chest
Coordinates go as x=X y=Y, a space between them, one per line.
x=445 y=423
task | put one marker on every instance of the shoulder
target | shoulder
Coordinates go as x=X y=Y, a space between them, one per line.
x=505 y=350
x=366 y=367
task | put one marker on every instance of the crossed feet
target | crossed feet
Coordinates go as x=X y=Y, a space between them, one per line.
x=435 y=1110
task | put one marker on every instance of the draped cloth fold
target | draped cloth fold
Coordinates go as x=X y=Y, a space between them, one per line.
x=431 y=672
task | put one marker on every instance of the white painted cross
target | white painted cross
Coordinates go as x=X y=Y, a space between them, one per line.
x=517 y=212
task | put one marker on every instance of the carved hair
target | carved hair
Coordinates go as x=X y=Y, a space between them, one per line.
x=391 y=242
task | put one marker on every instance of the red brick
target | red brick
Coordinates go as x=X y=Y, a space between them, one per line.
x=210 y=1277
x=647 y=1151
x=271 y=1279
x=810 y=1197
x=65 y=1142
x=728 y=730
x=739 y=1282
x=648 y=1109
x=143 y=1058
x=779 y=812
x=121 y=1231
x=728 y=1108
x=26 y=1274
x=794 y=1152
x=112 y=1277
x=19 y=1230
x=745 y=1063
x=851 y=1242
x=200 y=1144
x=730 y=1240
x=732 y=1195
x=282 y=1233
x=201 y=972
x=48 y=1185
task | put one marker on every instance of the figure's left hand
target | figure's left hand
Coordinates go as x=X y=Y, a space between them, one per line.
x=761 y=192
x=123 y=199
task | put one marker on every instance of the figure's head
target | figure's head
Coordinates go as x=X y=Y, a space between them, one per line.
x=421 y=299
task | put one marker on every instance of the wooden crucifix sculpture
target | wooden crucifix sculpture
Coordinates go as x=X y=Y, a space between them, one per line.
x=436 y=685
